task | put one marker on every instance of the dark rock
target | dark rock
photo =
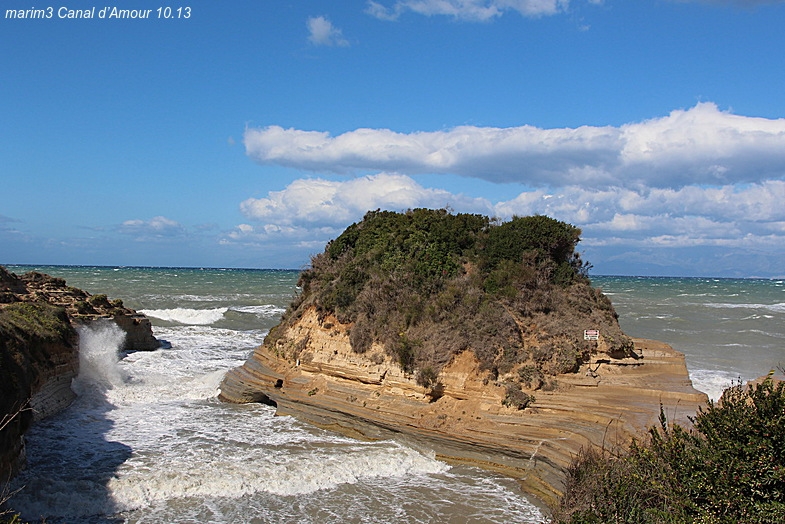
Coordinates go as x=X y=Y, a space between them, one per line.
x=39 y=350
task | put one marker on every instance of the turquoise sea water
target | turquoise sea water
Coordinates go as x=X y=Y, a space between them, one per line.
x=147 y=441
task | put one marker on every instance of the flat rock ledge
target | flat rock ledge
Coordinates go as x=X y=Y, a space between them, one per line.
x=608 y=402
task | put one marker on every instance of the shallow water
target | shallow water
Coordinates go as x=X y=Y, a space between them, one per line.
x=147 y=441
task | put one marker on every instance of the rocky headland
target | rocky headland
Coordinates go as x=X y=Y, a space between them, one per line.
x=607 y=401
x=39 y=350
x=483 y=342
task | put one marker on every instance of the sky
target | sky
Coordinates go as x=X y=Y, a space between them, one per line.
x=248 y=133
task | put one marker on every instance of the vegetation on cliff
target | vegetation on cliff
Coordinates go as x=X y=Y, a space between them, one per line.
x=426 y=284
x=30 y=333
x=729 y=469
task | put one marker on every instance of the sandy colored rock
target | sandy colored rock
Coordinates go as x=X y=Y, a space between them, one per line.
x=313 y=374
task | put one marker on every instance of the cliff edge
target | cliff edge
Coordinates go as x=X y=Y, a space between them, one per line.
x=607 y=401
x=39 y=350
x=483 y=341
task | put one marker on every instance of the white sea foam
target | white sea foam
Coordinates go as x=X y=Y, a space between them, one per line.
x=777 y=308
x=195 y=317
x=204 y=317
x=99 y=345
x=264 y=311
x=213 y=473
x=713 y=382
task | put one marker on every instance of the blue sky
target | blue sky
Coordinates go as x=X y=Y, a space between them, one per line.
x=251 y=132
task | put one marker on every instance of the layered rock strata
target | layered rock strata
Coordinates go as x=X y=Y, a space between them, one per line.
x=313 y=374
x=80 y=306
x=39 y=350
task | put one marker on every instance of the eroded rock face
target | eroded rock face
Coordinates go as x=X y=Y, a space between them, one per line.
x=313 y=374
x=38 y=360
x=80 y=306
x=39 y=354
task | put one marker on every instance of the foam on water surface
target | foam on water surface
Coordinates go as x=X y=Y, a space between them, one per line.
x=147 y=441
x=198 y=317
x=713 y=382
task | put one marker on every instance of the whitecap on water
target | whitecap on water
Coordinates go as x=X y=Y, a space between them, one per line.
x=713 y=382
x=198 y=317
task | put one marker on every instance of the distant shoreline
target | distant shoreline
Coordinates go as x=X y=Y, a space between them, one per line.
x=217 y=268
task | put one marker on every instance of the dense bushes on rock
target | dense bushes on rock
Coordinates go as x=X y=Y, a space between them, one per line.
x=428 y=284
x=730 y=468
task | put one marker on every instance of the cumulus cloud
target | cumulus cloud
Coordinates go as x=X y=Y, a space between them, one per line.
x=335 y=204
x=157 y=228
x=311 y=211
x=700 y=145
x=322 y=32
x=306 y=214
x=470 y=10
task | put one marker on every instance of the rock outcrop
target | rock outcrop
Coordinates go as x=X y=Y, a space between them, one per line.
x=482 y=340
x=311 y=372
x=39 y=350
x=80 y=306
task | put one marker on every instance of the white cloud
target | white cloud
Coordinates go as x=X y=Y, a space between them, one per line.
x=4 y=218
x=703 y=182
x=470 y=10
x=157 y=228
x=322 y=32
x=615 y=208
x=309 y=212
x=701 y=145
x=324 y=203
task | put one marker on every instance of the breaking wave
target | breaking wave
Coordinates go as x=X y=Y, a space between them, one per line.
x=99 y=354
x=204 y=317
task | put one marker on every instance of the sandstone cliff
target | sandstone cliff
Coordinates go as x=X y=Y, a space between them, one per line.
x=482 y=340
x=39 y=350
x=312 y=373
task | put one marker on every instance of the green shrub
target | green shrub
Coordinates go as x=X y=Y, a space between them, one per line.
x=531 y=377
x=405 y=351
x=34 y=319
x=427 y=284
x=730 y=468
x=99 y=300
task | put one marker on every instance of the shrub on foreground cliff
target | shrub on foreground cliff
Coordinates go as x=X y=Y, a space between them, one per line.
x=729 y=469
x=428 y=284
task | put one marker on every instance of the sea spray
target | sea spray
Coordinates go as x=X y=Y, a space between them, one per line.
x=99 y=348
x=148 y=442
x=70 y=456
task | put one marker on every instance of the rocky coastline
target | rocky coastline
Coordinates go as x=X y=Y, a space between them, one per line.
x=39 y=350
x=607 y=402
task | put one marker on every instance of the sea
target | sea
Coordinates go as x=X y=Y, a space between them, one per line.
x=147 y=441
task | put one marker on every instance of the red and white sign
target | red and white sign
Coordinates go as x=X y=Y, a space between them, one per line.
x=591 y=334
